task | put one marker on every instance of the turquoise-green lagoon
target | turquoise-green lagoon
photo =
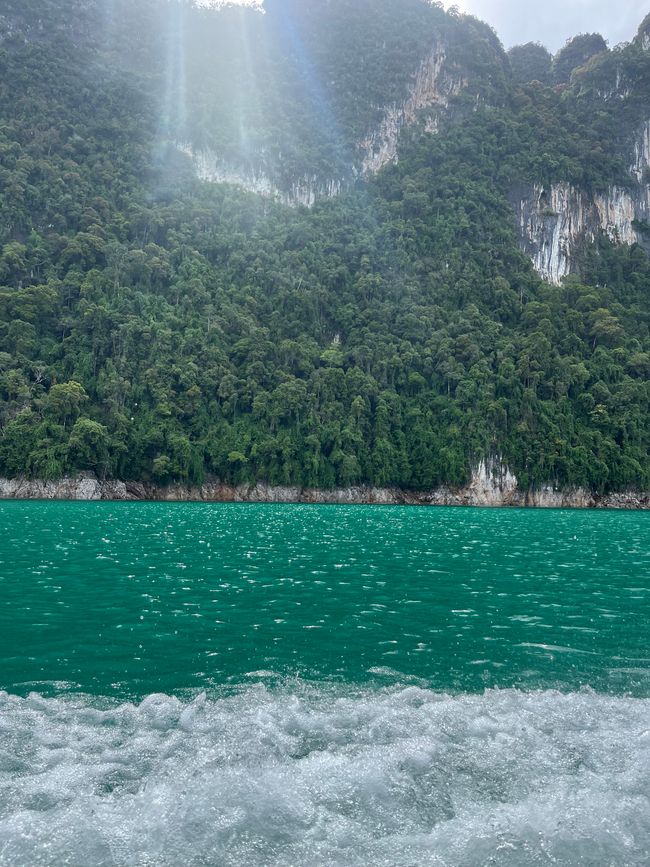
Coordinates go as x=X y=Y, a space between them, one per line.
x=299 y=685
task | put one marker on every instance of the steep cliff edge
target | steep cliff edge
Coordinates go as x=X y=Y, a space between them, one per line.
x=433 y=87
x=304 y=100
x=555 y=220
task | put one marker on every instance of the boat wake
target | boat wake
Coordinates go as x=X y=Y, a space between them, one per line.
x=319 y=775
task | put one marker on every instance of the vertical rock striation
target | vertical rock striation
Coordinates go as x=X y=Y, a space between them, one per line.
x=432 y=89
x=554 y=221
x=641 y=154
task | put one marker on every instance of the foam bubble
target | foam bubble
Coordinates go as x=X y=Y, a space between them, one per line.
x=308 y=775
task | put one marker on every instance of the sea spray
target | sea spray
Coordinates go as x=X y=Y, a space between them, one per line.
x=326 y=775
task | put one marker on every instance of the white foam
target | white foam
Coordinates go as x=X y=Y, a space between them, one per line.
x=311 y=775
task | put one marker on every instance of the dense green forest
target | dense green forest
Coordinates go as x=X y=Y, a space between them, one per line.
x=156 y=327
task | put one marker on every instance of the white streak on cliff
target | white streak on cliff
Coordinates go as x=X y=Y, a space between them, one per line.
x=550 y=222
x=432 y=88
x=304 y=191
x=553 y=221
x=641 y=153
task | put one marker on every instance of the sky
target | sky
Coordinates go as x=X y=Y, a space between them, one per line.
x=552 y=22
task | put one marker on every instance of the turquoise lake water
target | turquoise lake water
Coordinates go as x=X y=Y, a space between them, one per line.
x=239 y=684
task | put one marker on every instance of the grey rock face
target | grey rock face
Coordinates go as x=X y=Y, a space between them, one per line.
x=80 y=488
x=431 y=90
x=429 y=94
x=209 y=166
x=492 y=484
x=554 y=221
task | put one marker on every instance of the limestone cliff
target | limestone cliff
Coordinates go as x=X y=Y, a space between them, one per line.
x=492 y=484
x=431 y=91
x=554 y=221
x=642 y=37
x=641 y=161
x=209 y=166
x=432 y=87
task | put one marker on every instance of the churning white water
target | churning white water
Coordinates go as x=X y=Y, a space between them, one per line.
x=326 y=776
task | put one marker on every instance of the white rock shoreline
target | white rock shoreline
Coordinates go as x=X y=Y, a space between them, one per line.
x=481 y=491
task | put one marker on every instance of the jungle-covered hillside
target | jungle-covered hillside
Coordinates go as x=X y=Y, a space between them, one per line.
x=159 y=327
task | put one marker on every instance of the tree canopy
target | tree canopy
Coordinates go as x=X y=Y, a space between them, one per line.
x=156 y=327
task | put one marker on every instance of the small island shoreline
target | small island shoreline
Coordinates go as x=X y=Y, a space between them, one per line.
x=483 y=490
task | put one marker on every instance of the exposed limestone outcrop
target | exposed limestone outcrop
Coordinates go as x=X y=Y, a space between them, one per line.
x=432 y=89
x=641 y=161
x=210 y=167
x=304 y=191
x=555 y=220
x=80 y=488
x=642 y=37
x=491 y=484
x=430 y=92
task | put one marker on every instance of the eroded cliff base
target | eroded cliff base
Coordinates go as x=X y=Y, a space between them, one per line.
x=481 y=491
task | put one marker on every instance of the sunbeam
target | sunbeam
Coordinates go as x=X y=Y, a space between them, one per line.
x=173 y=119
x=248 y=103
x=308 y=84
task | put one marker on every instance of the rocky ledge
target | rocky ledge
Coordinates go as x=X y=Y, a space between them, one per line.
x=483 y=490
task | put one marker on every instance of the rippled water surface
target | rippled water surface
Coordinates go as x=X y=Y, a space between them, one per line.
x=273 y=685
x=130 y=599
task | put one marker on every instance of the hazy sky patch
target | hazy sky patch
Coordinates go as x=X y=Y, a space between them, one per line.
x=214 y=4
x=552 y=22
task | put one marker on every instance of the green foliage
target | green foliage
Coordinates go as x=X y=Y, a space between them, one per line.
x=153 y=327
x=575 y=54
x=530 y=62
